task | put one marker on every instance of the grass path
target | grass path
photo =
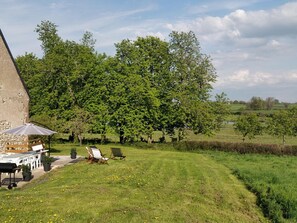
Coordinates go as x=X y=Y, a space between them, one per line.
x=149 y=186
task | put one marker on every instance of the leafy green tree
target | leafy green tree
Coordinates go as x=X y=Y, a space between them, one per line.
x=88 y=40
x=221 y=109
x=205 y=117
x=193 y=71
x=201 y=119
x=79 y=123
x=269 y=102
x=99 y=121
x=281 y=125
x=293 y=116
x=148 y=85
x=192 y=75
x=48 y=35
x=132 y=103
x=135 y=100
x=64 y=74
x=248 y=125
x=256 y=103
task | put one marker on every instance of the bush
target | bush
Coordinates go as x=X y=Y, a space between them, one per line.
x=241 y=148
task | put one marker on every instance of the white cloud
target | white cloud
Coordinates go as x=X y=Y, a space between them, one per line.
x=244 y=24
x=145 y=33
x=246 y=78
x=212 y=6
x=274 y=44
x=291 y=76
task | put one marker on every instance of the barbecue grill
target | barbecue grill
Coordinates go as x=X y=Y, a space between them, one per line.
x=10 y=168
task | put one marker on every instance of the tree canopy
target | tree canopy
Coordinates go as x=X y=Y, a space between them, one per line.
x=149 y=85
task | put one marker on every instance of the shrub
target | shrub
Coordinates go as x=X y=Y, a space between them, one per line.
x=241 y=148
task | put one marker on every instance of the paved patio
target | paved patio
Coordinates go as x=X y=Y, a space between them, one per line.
x=60 y=161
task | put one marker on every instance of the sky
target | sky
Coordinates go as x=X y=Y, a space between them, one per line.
x=252 y=43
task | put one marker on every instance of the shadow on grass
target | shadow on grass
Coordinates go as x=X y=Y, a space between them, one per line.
x=53 y=150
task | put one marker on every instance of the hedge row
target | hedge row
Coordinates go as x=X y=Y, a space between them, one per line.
x=237 y=147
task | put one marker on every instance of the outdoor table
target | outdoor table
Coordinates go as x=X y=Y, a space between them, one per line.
x=20 y=159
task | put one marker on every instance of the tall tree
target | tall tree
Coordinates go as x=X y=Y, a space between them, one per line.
x=193 y=70
x=137 y=95
x=88 y=40
x=48 y=35
x=154 y=62
x=64 y=74
x=193 y=74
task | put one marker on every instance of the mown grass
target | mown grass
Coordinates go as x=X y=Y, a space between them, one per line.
x=272 y=178
x=149 y=186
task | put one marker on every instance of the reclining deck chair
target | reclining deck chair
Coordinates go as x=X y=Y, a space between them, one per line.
x=95 y=155
x=90 y=153
x=116 y=152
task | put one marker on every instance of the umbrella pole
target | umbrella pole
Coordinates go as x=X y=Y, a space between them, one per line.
x=49 y=145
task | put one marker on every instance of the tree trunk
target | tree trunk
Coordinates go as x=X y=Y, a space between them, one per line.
x=80 y=138
x=122 y=137
x=149 y=139
x=103 y=138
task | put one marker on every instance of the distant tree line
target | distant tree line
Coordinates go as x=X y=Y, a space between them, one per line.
x=149 y=85
x=257 y=103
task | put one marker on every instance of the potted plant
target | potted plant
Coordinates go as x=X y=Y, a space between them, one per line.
x=73 y=153
x=26 y=172
x=47 y=161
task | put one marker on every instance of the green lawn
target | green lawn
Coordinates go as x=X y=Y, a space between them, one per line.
x=272 y=178
x=149 y=186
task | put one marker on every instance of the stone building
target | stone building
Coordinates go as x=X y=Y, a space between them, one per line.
x=14 y=97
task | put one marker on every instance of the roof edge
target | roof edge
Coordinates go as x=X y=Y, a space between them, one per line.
x=15 y=65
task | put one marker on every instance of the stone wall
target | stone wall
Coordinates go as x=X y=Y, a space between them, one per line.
x=14 y=98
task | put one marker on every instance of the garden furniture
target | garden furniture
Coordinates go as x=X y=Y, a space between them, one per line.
x=116 y=152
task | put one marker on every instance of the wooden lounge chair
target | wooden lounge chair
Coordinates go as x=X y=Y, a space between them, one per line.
x=95 y=155
x=90 y=154
x=116 y=152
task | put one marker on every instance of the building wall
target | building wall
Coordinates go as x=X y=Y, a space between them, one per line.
x=14 y=98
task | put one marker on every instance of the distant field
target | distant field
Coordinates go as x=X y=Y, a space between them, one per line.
x=237 y=107
x=242 y=107
x=227 y=134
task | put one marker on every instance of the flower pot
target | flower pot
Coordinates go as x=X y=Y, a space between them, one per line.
x=46 y=167
x=27 y=176
x=73 y=155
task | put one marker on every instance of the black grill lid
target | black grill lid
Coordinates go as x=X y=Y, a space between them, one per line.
x=8 y=167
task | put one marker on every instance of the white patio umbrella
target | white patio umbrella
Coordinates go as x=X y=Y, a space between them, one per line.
x=29 y=129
